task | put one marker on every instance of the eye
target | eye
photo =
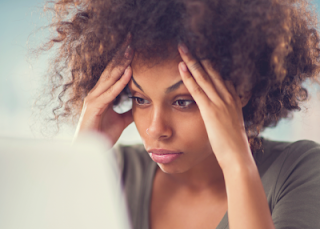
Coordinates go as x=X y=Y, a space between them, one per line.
x=139 y=101
x=183 y=103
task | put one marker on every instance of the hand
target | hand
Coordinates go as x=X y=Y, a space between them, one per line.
x=97 y=112
x=220 y=108
x=221 y=111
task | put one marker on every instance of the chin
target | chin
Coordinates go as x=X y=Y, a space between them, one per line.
x=171 y=169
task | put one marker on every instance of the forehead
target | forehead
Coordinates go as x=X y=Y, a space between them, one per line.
x=160 y=72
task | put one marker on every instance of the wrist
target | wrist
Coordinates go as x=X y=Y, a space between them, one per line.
x=237 y=163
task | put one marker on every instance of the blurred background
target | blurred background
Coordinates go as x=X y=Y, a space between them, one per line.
x=23 y=77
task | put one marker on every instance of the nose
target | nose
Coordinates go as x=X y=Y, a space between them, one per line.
x=159 y=128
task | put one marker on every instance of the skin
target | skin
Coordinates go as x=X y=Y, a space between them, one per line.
x=202 y=118
x=195 y=176
x=97 y=114
x=168 y=122
x=220 y=108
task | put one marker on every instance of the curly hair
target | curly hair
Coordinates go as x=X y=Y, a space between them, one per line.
x=265 y=47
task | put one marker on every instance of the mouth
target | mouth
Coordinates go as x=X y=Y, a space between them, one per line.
x=164 y=156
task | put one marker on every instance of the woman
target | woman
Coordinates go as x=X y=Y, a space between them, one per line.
x=205 y=78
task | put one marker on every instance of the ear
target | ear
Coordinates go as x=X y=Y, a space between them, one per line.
x=245 y=97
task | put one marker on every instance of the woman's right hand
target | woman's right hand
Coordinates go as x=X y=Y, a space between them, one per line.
x=97 y=113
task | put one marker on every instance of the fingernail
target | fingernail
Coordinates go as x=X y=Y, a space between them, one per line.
x=128 y=52
x=183 y=67
x=183 y=48
x=127 y=69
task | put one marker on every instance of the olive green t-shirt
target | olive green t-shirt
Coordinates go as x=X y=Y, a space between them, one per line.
x=290 y=174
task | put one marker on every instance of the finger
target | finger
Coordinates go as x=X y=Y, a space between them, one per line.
x=119 y=62
x=123 y=56
x=231 y=89
x=193 y=87
x=216 y=79
x=199 y=74
x=109 y=95
x=236 y=98
x=112 y=74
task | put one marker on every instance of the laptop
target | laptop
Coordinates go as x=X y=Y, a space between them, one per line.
x=53 y=184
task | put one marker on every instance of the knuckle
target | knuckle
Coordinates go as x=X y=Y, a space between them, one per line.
x=118 y=69
x=188 y=78
x=112 y=64
x=197 y=90
x=105 y=74
x=87 y=99
x=109 y=77
x=209 y=66
x=94 y=106
x=209 y=104
x=112 y=75
x=223 y=108
x=195 y=66
x=116 y=73
x=89 y=94
x=205 y=79
x=229 y=99
x=214 y=111
x=104 y=77
x=110 y=90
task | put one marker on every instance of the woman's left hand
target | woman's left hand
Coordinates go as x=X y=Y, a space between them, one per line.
x=220 y=108
x=221 y=111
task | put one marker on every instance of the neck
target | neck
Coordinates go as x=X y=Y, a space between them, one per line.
x=204 y=176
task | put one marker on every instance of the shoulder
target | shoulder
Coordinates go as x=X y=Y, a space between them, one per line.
x=303 y=152
x=297 y=161
x=284 y=159
x=292 y=154
x=290 y=173
x=296 y=149
x=300 y=165
x=287 y=154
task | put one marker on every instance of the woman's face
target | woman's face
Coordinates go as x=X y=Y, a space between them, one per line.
x=167 y=117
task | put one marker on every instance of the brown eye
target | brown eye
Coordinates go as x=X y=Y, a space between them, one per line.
x=139 y=101
x=183 y=103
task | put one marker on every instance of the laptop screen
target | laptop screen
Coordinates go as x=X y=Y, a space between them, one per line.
x=51 y=184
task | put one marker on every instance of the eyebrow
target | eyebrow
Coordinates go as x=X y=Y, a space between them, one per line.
x=135 y=82
x=174 y=87
x=168 y=90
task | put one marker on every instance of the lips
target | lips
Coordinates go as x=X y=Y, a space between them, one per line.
x=164 y=156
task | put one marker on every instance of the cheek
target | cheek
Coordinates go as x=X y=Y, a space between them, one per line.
x=139 y=119
x=193 y=132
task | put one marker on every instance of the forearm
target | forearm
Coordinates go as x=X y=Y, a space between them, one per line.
x=247 y=202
